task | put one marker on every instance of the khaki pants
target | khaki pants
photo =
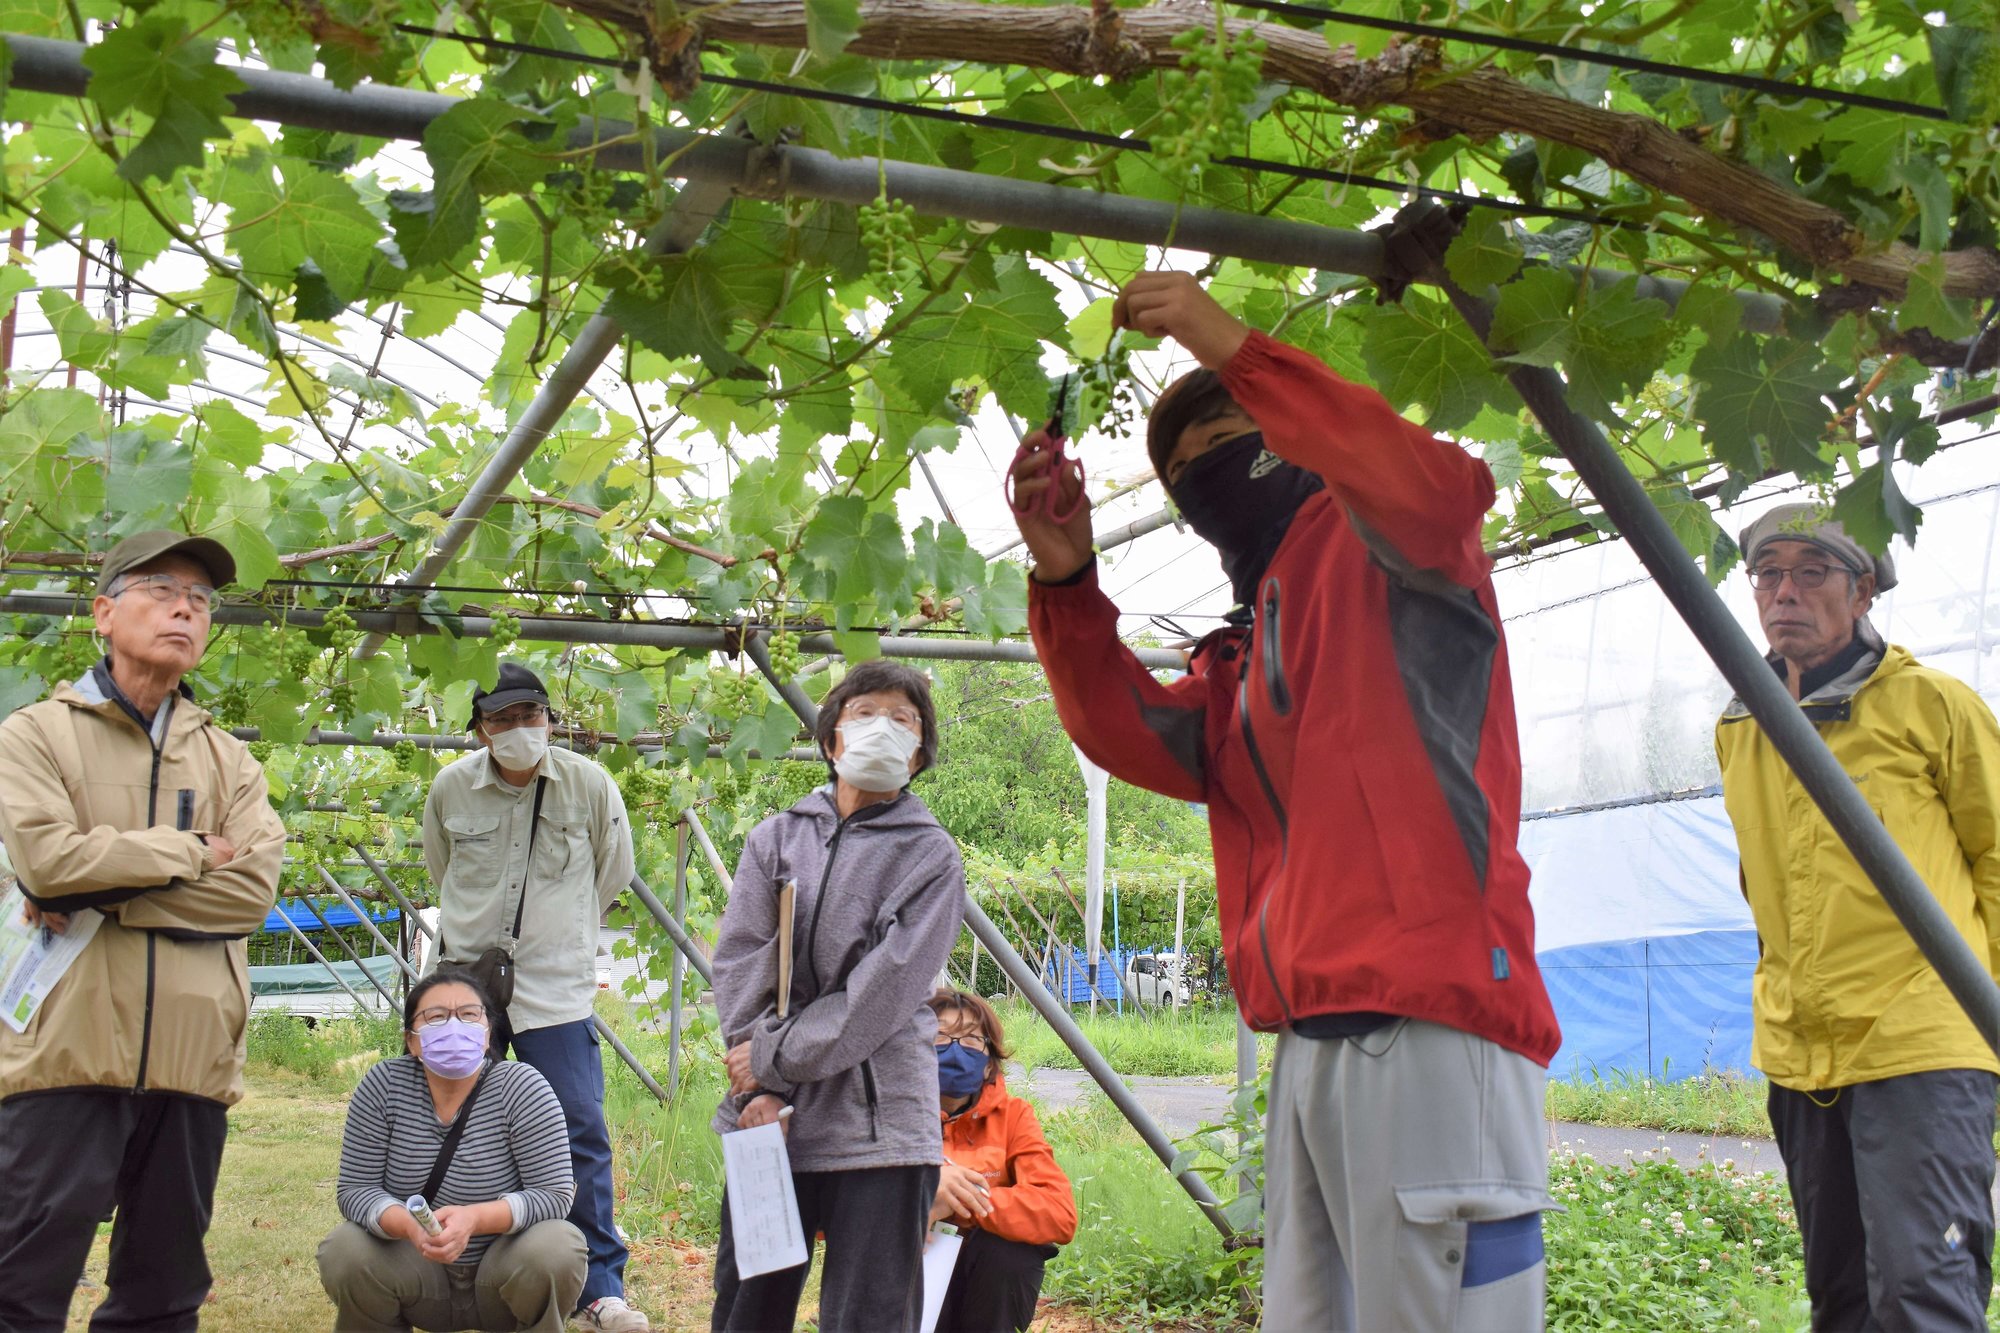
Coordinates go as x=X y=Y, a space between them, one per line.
x=1405 y=1173
x=526 y=1281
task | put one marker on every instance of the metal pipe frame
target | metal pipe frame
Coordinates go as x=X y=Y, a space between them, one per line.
x=619 y=633
x=326 y=876
x=685 y=221
x=679 y=936
x=313 y=949
x=715 y=861
x=1795 y=738
x=346 y=948
x=677 y=973
x=743 y=167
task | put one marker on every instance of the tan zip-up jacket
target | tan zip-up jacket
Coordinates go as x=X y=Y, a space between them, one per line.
x=99 y=815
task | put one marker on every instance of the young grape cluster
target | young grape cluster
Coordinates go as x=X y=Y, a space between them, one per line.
x=409 y=759
x=340 y=700
x=506 y=629
x=889 y=230
x=733 y=694
x=1203 y=116
x=76 y=656
x=298 y=656
x=341 y=629
x=1104 y=393
x=261 y=750
x=786 y=659
x=231 y=705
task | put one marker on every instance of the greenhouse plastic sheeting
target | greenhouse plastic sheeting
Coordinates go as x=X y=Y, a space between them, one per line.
x=336 y=914
x=312 y=979
x=1643 y=937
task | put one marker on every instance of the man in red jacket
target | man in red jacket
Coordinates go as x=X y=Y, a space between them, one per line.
x=1352 y=732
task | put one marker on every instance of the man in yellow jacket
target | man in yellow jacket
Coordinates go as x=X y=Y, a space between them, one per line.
x=128 y=813
x=1882 y=1093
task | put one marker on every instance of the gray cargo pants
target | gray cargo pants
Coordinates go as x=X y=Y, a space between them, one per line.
x=1405 y=1174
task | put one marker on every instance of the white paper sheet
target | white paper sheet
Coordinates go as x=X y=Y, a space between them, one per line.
x=940 y=1257
x=33 y=960
x=763 y=1209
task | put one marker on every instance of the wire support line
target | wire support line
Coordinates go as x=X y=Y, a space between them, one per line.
x=1610 y=59
x=1066 y=133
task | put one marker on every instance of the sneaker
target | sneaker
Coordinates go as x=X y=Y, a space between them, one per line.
x=611 y=1315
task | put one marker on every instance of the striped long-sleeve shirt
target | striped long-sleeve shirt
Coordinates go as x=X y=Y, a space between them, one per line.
x=515 y=1148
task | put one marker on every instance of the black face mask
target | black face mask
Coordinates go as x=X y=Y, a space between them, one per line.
x=1240 y=498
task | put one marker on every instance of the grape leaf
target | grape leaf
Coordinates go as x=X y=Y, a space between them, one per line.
x=1421 y=354
x=862 y=548
x=688 y=315
x=831 y=25
x=298 y=215
x=1766 y=408
x=1484 y=255
x=145 y=481
x=1874 y=509
x=1925 y=306
x=1531 y=320
x=153 y=66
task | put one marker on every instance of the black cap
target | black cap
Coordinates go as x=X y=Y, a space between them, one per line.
x=517 y=685
x=142 y=548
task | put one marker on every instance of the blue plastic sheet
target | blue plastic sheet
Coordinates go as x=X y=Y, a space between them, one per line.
x=336 y=914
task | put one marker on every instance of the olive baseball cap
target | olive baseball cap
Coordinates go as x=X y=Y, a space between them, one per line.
x=145 y=547
x=516 y=685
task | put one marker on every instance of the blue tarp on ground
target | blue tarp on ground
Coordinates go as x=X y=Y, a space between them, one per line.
x=1069 y=976
x=336 y=914
x=1643 y=936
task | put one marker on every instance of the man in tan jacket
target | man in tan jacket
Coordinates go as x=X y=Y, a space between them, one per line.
x=120 y=796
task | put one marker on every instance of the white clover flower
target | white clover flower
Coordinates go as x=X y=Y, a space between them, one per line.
x=1703 y=1266
x=1646 y=1224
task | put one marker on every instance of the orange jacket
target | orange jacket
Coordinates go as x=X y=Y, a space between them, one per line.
x=1001 y=1140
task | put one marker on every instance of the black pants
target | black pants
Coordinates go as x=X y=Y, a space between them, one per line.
x=994 y=1286
x=1892 y=1181
x=872 y=1282
x=67 y=1160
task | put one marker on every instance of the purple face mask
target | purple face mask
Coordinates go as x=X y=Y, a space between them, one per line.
x=453 y=1049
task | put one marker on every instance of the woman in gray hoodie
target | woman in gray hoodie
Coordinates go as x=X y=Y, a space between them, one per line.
x=880 y=897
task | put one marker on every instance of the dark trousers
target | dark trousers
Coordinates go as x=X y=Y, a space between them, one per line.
x=874 y=1222
x=568 y=1057
x=67 y=1160
x=994 y=1285
x=1893 y=1184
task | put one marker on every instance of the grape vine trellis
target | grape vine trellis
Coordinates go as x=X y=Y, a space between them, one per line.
x=825 y=348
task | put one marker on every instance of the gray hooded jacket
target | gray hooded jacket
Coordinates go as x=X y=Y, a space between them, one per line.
x=880 y=899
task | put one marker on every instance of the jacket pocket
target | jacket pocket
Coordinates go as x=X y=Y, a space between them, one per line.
x=1452 y=1239
x=476 y=857
x=560 y=845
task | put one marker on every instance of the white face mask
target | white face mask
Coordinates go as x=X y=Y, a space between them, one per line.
x=875 y=754
x=521 y=748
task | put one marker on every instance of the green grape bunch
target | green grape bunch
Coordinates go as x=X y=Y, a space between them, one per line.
x=340 y=700
x=506 y=630
x=341 y=629
x=889 y=230
x=1204 y=102
x=786 y=659
x=733 y=694
x=298 y=656
x=1104 y=397
x=409 y=759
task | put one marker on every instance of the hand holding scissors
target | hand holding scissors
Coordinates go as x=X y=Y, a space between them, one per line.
x=1044 y=488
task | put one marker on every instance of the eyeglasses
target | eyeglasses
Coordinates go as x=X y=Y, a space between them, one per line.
x=465 y=1013
x=526 y=715
x=902 y=715
x=971 y=1041
x=166 y=588
x=1768 y=578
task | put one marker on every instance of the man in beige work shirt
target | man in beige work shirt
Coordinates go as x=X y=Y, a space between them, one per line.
x=529 y=846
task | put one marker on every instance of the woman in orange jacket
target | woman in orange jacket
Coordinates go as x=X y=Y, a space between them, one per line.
x=1000 y=1185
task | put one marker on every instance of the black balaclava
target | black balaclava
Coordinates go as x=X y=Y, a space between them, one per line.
x=1240 y=498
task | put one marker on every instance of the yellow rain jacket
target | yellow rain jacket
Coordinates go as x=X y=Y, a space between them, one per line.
x=1842 y=994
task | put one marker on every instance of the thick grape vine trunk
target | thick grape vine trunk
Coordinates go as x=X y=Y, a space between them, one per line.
x=1478 y=102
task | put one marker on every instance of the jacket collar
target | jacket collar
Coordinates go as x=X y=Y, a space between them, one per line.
x=986 y=1103
x=906 y=811
x=96 y=690
x=1834 y=700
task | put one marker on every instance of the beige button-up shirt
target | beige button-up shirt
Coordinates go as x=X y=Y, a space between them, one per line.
x=476 y=842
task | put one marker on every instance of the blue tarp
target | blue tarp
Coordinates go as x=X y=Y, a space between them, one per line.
x=1068 y=975
x=1643 y=936
x=336 y=914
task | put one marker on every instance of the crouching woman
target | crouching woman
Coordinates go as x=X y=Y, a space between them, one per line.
x=484 y=1142
x=1000 y=1184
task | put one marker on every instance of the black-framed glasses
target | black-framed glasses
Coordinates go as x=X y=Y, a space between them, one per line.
x=1768 y=578
x=971 y=1041
x=166 y=588
x=465 y=1013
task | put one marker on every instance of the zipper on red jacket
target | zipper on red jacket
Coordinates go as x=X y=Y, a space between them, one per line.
x=1264 y=777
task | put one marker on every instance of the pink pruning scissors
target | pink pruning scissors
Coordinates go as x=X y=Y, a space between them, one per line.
x=1060 y=466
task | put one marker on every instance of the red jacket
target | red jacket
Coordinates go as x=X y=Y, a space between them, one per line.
x=1001 y=1140
x=1363 y=777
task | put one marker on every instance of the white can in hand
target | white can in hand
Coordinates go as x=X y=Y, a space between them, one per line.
x=421 y=1210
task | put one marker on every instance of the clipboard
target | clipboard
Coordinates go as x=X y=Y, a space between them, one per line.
x=787 y=909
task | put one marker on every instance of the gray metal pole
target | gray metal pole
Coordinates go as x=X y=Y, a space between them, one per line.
x=409 y=910
x=553 y=629
x=1057 y=1017
x=45 y=65
x=319 y=957
x=685 y=220
x=1963 y=972
x=350 y=951
x=631 y=1060
x=355 y=907
x=789 y=690
x=682 y=940
x=708 y=849
x=1246 y=1075
x=677 y=975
